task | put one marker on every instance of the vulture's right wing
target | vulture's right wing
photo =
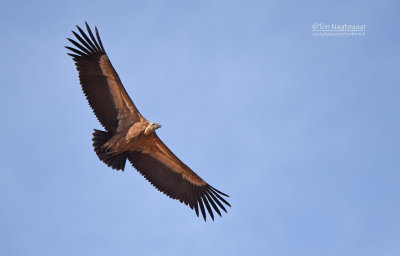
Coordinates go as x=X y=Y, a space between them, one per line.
x=101 y=84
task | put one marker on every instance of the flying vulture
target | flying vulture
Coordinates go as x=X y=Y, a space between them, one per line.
x=130 y=136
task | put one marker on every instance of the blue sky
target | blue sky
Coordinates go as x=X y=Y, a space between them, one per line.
x=302 y=132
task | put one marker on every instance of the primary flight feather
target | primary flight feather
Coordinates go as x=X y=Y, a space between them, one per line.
x=129 y=135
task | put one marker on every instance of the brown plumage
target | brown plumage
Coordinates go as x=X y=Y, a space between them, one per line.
x=130 y=136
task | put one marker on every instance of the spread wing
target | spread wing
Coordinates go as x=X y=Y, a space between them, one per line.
x=101 y=84
x=174 y=178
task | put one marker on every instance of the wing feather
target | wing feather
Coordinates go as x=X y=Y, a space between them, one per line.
x=83 y=42
x=92 y=37
x=93 y=47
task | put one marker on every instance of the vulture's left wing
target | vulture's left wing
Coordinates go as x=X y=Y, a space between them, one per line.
x=101 y=84
x=174 y=178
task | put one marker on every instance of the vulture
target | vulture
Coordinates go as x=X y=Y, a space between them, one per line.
x=128 y=135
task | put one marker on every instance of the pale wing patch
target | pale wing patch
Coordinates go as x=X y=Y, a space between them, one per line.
x=124 y=105
x=172 y=162
x=161 y=148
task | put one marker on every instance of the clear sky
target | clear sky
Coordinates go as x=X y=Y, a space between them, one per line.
x=302 y=132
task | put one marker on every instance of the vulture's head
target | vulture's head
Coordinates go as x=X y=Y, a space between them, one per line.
x=151 y=127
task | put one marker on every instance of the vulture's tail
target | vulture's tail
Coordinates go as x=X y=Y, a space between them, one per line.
x=114 y=161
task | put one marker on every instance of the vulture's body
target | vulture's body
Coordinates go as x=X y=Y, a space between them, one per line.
x=130 y=136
